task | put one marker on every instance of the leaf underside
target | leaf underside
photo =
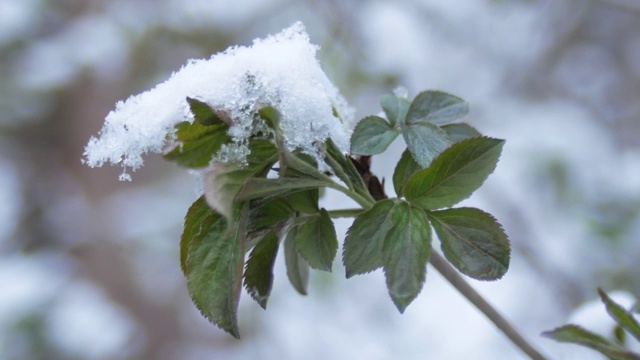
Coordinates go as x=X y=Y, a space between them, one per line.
x=225 y=180
x=425 y=141
x=395 y=108
x=436 y=107
x=372 y=136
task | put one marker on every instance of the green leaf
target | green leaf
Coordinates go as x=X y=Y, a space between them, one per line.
x=344 y=169
x=620 y=315
x=225 y=180
x=461 y=131
x=204 y=114
x=436 y=107
x=198 y=144
x=576 y=335
x=198 y=216
x=372 y=136
x=258 y=188
x=186 y=131
x=299 y=165
x=271 y=117
x=362 y=251
x=406 y=167
x=455 y=174
x=200 y=140
x=266 y=215
x=425 y=141
x=395 y=108
x=405 y=253
x=305 y=201
x=619 y=335
x=316 y=241
x=302 y=166
x=473 y=241
x=213 y=265
x=258 y=273
x=297 y=267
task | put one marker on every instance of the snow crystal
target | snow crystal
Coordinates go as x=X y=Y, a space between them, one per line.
x=279 y=71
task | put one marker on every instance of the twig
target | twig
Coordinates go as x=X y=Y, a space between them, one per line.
x=452 y=276
x=343 y=213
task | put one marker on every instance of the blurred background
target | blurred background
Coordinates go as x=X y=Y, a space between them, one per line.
x=89 y=265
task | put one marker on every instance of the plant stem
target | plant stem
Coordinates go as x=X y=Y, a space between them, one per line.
x=342 y=213
x=361 y=200
x=452 y=276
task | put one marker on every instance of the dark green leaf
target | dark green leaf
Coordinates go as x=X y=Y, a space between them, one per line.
x=271 y=117
x=300 y=166
x=405 y=168
x=199 y=217
x=461 y=131
x=344 y=169
x=372 y=136
x=436 y=107
x=268 y=214
x=198 y=144
x=225 y=180
x=576 y=335
x=425 y=141
x=297 y=267
x=620 y=315
x=455 y=174
x=258 y=188
x=362 y=252
x=214 y=268
x=204 y=114
x=258 y=273
x=305 y=201
x=395 y=108
x=473 y=241
x=620 y=335
x=316 y=241
x=405 y=254
x=186 y=131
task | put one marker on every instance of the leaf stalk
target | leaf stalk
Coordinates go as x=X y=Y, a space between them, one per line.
x=456 y=280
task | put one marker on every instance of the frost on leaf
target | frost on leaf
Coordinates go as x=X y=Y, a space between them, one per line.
x=280 y=71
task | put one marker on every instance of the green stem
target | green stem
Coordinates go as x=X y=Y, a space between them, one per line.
x=342 y=213
x=366 y=203
x=452 y=276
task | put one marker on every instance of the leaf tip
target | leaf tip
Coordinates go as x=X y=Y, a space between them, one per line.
x=235 y=333
x=603 y=295
x=548 y=334
x=402 y=302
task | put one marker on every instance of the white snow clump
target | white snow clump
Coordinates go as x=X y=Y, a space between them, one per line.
x=279 y=71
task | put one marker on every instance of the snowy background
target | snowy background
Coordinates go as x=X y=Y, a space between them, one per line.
x=89 y=265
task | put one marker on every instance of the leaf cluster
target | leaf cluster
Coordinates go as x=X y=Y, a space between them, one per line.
x=444 y=163
x=233 y=233
x=612 y=349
